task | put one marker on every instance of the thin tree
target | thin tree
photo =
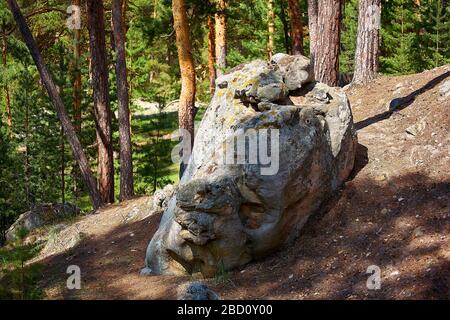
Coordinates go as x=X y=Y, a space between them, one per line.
x=126 y=161
x=102 y=109
x=271 y=28
x=286 y=31
x=312 y=26
x=52 y=91
x=77 y=74
x=367 y=48
x=221 y=36
x=186 y=112
x=211 y=54
x=6 y=87
x=326 y=64
x=296 y=27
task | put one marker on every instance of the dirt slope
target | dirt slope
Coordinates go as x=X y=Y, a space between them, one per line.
x=394 y=213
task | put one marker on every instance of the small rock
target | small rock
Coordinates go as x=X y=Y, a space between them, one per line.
x=146 y=272
x=384 y=211
x=444 y=89
x=196 y=291
x=418 y=232
x=291 y=276
x=395 y=273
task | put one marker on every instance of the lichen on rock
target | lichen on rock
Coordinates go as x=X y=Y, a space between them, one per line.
x=235 y=203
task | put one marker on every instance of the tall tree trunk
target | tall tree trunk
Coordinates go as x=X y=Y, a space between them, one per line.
x=6 y=87
x=221 y=37
x=62 y=145
x=296 y=27
x=271 y=28
x=50 y=86
x=367 y=48
x=186 y=113
x=326 y=65
x=77 y=75
x=27 y=149
x=63 y=168
x=285 y=23
x=102 y=109
x=126 y=161
x=313 y=11
x=211 y=54
x=77 y=92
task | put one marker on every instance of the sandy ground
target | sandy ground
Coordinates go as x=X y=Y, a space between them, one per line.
x=393 y=213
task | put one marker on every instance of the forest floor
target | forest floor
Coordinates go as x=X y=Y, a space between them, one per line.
x=394 y=213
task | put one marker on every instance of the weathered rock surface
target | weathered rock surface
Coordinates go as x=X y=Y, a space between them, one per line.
x=40 y=215
x=161 y=198
x=196 y=291
x=232 y=207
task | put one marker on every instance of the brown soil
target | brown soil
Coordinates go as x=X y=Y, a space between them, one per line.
x=393 y=213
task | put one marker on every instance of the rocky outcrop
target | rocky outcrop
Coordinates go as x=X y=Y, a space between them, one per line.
x=161 y=198
x=40 y=215
x=241 y=200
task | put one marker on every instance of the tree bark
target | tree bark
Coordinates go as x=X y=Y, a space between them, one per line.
x=6 y=87
x=312 y=25
x=186 y=111
x=211 y=55
x=271 y=28
x=102 y=109
x=50 y=86
x=126 y=161
x=367 y=48
x=296 y=27
x=77 y=76
x=221 y=37
x=287 y=45
x=326 y=64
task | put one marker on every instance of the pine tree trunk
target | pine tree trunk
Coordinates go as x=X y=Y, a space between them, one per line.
x=186 y=111
x=126 y=161
x=50 y=86
x=271 y=28
x=367 y=48
x=296 y=27
x=27 y=149
x=211 y=55
x=63 y=168
x=77 y=76
x=313 y=8
x=102 y=107
x=221 y=37
x=326 y=64
x=285 y=23
x=6 y=87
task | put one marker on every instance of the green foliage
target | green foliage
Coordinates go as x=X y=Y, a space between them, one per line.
x=349 y=36
x=17 y=280
x=34 y=156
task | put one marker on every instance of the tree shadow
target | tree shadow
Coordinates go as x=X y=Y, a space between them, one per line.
x=362 y=225
x=110 y=266
x=399 y=104
x=366 y=226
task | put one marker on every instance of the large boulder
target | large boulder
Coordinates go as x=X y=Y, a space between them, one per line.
x=235 y=204
x=40 y=215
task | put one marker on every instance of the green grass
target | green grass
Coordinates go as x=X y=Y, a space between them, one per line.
x=152 y=147
x=18 y=281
